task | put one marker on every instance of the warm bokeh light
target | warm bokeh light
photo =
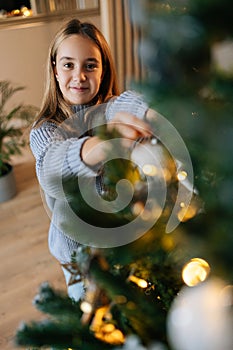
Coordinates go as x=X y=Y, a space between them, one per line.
x=150 y=170
x=16 y=12
x=106 y=332
x=27 y=13
x=187 y=213
x=139 y=281
x=86 y=307
x=182 y=175
x=195 y=271
x=168 y=243
x=137 y=208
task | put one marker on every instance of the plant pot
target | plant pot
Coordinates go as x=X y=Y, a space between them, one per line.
x=7 y=185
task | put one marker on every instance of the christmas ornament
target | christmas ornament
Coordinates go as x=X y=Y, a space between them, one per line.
x=201 y=317
x=104 y=329
x=156 y=168
x=133 y=343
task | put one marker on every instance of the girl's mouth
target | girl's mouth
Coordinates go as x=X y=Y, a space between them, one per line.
x=79 y=89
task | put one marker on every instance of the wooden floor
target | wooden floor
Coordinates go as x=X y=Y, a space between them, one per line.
x=25 y=259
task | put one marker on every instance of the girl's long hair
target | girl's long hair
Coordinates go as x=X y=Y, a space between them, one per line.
x=54 y=107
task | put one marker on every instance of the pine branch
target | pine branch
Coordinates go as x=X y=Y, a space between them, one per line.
x=142 y=312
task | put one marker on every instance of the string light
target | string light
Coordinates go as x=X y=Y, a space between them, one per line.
x=86 y=307
x=195 y=271
x=139 y=281
x=137 y=208
x=182 y=175
x=149 y=169
x=16 y=12
x=26 y=13
x=186 y=214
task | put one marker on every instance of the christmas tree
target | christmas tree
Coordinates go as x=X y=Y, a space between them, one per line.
x=170 y=287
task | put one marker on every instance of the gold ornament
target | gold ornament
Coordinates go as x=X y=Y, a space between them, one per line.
x=103 y=328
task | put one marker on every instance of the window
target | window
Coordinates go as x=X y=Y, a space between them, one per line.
x=14 y=10
x=52 y=6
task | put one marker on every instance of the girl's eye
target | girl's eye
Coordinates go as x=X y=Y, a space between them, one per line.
x=68 y=65
x=91 y=66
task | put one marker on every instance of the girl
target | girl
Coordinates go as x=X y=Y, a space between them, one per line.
x=80 y=74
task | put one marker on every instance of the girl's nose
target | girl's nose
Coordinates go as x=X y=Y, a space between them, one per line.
x=79 y=75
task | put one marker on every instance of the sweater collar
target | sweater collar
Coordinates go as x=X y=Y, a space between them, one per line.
x=81 y=108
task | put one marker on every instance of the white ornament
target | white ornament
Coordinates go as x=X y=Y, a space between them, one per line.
x=201 y=318
x=133 y=342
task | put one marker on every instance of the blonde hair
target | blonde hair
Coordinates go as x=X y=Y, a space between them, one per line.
x=54 y=107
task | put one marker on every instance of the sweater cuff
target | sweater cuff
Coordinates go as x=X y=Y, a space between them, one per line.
x=75 y=164
x=130 y=102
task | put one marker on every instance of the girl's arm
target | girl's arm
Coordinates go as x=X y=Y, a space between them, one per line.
x=126 y=114
x=127 y=125
x=57 y=157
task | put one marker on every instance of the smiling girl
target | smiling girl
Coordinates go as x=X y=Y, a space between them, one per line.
x=80 y=74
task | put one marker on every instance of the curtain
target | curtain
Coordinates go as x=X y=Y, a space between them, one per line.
x=124 y=38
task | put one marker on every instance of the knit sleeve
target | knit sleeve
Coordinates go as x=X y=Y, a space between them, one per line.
x=57 y=156
x=128 y=101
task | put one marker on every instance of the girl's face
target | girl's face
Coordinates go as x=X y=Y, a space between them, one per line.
x=78 y=69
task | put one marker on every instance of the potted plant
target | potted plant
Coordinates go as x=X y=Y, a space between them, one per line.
x=12 y=126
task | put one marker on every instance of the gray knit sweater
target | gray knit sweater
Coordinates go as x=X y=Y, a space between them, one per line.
x=57 y=152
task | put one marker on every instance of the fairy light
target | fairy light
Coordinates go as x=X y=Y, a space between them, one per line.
x=139 y=281
x=25 y=11
x=137 y=208
x=86 y=307
x=16 y=12
x=149 y=169
x=195 y=271
x=182 y=175
x=186 y=214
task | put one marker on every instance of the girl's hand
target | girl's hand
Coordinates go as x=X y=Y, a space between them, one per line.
x=129 y=126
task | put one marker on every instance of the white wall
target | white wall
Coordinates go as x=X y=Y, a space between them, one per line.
x=23 y=53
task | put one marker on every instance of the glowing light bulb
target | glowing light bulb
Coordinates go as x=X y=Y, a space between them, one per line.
x=181 y=176
x=86 y=307
x=16 y=12
x=27 y=13
x=149 y=169
x=139 y=281
x=137 y=208
x=195 y=271
x=186 y=214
